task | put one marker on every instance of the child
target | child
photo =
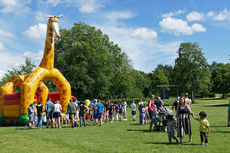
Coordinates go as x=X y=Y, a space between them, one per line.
x=171 y=123
x=204 y=127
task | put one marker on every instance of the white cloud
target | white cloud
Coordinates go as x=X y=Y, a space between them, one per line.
x=195 y=16
x=5 y=34
x=223 y=15
x=210 y=14
x=53 y=3
x=114 y=16
x=144 y=33
x=171 y=14
x=36 y=32
x=14 y=6
x=2 y=46
x=90 y=7
x=198 y=28
x=179 y=26
x=36 y=57
x=1 y=74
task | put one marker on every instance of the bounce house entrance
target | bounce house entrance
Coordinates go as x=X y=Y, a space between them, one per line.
x=12 y=105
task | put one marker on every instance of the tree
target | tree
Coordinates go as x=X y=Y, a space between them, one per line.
x=191 y=69
x=94 y=66
x=158 y=78
x=220 y=79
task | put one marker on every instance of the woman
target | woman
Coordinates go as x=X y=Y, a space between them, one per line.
x=39 y=114
x=57 y=114
x=152 y=110
x=183 y=120
x=31 y=113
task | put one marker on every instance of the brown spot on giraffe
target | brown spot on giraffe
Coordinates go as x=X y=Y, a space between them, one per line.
x=29 y=89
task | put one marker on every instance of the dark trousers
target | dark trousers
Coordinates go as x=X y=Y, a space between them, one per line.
x=202 y=136
x=82 y=118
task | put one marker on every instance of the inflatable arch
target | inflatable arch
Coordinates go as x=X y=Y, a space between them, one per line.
x=14 y=106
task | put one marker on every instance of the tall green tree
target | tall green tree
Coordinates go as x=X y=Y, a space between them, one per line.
x=94 y=66
x=220 y=79
x=191 y=69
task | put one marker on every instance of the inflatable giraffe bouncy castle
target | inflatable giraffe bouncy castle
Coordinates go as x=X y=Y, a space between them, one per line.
x=13 y=107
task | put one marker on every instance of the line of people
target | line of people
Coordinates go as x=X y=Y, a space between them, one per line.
x=97 y=112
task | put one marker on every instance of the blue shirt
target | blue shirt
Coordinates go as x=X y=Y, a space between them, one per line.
x=49 y=106
x=99 y=107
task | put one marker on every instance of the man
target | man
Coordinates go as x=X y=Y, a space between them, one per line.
x=187 y=100
x=49 y=112
x=158 y=103
x=99 y=112
x=82 y=111
x=124 y=109
x=133 y=108
x=72 y=108
x=151 y=108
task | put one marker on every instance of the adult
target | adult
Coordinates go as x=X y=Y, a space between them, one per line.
x=133 y=109
x=116 y=111
x=183 y=120
x=106 y=110
x=95 y=110
x=187 y=100
x=39 y=108
x=35 y=113
x=152 y=109
x=72 y=108
x=57 y=114
x=158 y=103
x=175 y=103
x=82 y=111
x=99 y=112
x=120 y=110
x=31 y=116
x=49 y=112
x=124 y=104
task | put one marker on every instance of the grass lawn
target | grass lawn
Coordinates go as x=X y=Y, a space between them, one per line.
x=125 y=136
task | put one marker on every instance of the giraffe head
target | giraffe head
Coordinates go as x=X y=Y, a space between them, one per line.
x=53 y=21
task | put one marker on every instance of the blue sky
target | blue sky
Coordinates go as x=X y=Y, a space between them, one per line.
x=149 y=31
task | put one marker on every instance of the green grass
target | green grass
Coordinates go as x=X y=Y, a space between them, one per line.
x=125 y=136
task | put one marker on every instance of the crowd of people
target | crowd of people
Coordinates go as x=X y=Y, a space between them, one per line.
x=96 y=112
x=117 y=111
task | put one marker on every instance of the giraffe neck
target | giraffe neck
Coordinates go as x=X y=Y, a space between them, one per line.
x=48 y=56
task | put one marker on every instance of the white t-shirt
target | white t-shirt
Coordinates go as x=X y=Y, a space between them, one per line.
x=133 y=106
x=57 y=108
x=188 y=101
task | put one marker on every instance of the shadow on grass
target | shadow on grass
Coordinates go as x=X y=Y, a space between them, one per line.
x=23 y=128
x=140 y=130
x=166 y=143
x=218 y=126
x=220 y=131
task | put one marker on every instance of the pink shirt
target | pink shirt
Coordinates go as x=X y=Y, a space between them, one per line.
x=152 y=105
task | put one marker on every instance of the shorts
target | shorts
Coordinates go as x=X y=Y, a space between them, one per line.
x=134 y=113
x=49 y=115
x=57 y=114
x=120 y=111
x=99 y=116
x=151 y=114
x=72 y=115
x=106 y=114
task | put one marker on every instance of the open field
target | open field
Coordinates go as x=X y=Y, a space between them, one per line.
x=125 y=136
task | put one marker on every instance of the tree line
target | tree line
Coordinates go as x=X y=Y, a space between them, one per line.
x=96 y=67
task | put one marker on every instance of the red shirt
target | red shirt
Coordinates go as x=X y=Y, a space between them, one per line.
x=152 y=105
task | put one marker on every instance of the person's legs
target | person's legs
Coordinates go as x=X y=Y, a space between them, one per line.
x=170 y=137
x=40 y=120
x=201 y=138
x=80 y=120
x=206 y=138
x=84 y=121
x=59 y=120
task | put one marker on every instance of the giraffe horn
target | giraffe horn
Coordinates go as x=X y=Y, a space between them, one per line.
x=48 y=16
x=60 y=15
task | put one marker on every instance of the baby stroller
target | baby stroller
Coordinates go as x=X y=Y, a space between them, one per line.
x=160 y=121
